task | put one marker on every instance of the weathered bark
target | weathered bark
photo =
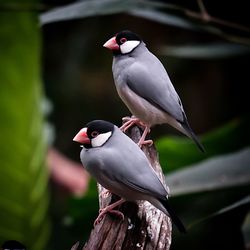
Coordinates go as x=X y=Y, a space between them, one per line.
x=144 y=226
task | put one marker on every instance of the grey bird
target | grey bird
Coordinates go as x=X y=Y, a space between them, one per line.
x=118 y=164
x=144 y=86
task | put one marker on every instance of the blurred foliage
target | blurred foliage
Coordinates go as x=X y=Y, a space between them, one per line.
x=206 y=51
x=74 y=222
x=223 y=171
x=158 y=11
x=176 y=152
x=74 y=64
x=23 y=175
x=223 y=231
x=212 y=194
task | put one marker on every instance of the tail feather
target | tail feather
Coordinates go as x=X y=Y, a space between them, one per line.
x=191 y=134
x=173 y=216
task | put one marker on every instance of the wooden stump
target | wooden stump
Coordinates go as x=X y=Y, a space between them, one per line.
x=144 y=226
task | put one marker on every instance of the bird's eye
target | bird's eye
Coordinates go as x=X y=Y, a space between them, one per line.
x=123 y=40
x=94 y=134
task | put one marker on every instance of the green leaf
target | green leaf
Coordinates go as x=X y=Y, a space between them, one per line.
x=176 y=152
x=206 y=51
x=139 y=8
x=83 y=9
x=166 y=18
x=156 y=11
x=242 y=202
x=211 y=195
x=197 y=210
x=23 y=175
x=214 y=173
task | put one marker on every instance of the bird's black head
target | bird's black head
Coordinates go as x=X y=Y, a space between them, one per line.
x=123 y=42
x=95 y=134
x=126 y=35
x=97 y=127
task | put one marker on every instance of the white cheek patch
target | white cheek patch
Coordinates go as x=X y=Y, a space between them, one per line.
x=100 y=139
x=128 y=46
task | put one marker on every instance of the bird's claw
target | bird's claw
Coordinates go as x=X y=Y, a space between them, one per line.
x=98 y=220
x=102 y=212
x=130 y=121
x=145 y=142
x=127 y=118
x=110 y=209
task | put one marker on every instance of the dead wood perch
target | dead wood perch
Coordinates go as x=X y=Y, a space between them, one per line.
x=144 y=226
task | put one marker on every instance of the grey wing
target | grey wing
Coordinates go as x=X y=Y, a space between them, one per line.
x=151 y=81
x=141 y=180
x=130 y=167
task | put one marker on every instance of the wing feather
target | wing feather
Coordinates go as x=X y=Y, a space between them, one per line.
x=152 y=82
x=134 y=172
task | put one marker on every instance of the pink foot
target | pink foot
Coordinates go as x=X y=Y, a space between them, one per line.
x=129 y=122
x=102 y=214
x=109 y=209
x=142 y=140
x=146 y=142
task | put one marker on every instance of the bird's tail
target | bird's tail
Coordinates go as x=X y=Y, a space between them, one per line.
x=173 y=216
x=192 y=135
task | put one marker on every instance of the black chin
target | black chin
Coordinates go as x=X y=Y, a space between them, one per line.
x=87 y=145
x=116 y=52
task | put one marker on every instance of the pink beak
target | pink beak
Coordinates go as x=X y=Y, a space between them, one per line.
x=111 y=44
x=82 y=137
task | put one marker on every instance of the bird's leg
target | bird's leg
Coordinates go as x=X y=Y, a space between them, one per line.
x=142 y=140
x=109 y=209
x=129 y=122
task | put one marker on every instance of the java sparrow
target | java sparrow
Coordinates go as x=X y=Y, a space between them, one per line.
x=144 y=86
x=118 y=164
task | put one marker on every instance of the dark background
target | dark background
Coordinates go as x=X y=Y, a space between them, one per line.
x=78 y=77
x=78 y=81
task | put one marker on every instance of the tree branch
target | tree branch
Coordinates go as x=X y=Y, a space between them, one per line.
x=206 y=17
